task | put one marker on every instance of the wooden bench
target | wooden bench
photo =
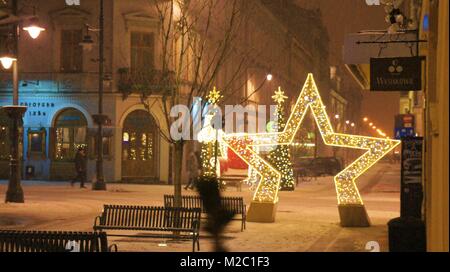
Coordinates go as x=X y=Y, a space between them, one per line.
x=233 y=204
x=234 y=180
x=180 y=222
x=53 y=241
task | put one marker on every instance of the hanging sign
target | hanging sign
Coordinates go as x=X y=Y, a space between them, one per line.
x=396 y=74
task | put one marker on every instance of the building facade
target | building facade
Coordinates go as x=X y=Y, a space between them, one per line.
x=59 y=84
x=434 y=113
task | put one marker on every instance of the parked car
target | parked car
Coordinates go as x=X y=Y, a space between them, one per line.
x=324 y=166
x=327 y=166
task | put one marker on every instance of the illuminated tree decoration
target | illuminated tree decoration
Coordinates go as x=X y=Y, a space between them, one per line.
x=208 y=136
x=347 y=192
x=280 y=157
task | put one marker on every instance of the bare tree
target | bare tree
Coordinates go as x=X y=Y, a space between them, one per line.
x=196 y=38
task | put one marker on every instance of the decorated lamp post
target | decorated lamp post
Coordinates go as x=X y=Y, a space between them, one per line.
x=99 y=118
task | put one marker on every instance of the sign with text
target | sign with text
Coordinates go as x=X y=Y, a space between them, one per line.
x=411 y=177
x=396 y=74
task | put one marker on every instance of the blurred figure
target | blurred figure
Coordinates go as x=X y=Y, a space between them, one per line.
x=80 y=167
x=193 y=169
x=218 y=216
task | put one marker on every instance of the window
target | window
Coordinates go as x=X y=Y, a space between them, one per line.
x=71 y=50
x=71 y=129
x=36 y=143
x=142 y=51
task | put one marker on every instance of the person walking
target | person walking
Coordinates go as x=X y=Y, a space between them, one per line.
x=80 y=167
x=193 y=170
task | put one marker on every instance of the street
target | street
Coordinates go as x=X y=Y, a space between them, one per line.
x=307 y=219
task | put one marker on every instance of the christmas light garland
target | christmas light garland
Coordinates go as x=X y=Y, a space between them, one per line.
x=346 y=189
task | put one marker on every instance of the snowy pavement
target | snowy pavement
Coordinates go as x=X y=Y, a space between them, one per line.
x=307 y=219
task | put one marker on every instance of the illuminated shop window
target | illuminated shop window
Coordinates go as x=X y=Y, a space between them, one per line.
x=138 y=145
x=71 y=129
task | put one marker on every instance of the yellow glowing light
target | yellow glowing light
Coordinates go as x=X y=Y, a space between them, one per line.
x=279 y=96
x=244 y=145
x=208 y=136
x=214 y=96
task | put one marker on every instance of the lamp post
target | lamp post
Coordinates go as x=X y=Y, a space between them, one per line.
x=14 y=193
x=100 y=118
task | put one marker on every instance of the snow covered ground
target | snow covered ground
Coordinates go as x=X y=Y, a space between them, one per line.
x=307 y=219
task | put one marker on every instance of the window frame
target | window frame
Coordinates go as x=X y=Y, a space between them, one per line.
x=76 y=51
x=42 y=154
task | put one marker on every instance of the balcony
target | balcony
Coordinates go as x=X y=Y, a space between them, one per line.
x=146 y=82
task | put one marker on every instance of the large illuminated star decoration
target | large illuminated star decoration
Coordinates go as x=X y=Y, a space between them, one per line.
x=346 y=189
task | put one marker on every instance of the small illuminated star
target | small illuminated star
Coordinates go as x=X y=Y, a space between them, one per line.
x=214 y=96
x=279 y=96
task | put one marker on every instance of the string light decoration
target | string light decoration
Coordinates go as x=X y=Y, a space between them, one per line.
x=208 y=137
x=346 y=189
x=279 y=96
x=214 y=96
x=280 y=157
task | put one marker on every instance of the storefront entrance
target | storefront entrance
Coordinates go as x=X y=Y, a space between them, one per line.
x=69 y=133
x=139 y=147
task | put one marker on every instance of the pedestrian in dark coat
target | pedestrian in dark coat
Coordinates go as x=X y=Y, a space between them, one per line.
x=194 y=169
x=80 y=167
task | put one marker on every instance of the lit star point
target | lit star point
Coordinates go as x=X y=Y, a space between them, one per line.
x=214 y=96
x=279 y=96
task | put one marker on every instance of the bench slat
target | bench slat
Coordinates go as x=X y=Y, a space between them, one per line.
x=50 y=241
x=232 y=204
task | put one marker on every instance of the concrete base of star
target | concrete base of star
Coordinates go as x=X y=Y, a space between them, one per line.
x=353 y=216
x=262 y=212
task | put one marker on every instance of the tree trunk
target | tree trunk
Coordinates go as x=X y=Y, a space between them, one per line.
x=178 y=166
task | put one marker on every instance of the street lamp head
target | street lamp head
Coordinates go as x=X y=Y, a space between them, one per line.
x=353 y=124
x=347 y=122
x=34 y=29
x=7 y=61
x=336 y=116
x=366 y=119
x=269 y=77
